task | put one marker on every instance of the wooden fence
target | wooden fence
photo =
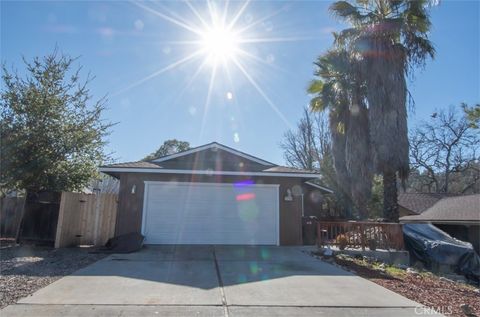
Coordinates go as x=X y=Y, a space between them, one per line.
x=356 y=234
x=86 y=219
x=11 y=209
x=40 y=217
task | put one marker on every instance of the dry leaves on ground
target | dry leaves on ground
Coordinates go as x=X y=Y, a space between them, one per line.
x=443 y=295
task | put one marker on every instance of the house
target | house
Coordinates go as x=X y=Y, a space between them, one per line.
x=213 y=194
x=415 y=203
x=459 y=216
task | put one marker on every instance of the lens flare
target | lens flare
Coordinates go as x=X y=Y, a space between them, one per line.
x=246 y=196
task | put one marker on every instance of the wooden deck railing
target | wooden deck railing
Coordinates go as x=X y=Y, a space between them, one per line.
x=356 y=235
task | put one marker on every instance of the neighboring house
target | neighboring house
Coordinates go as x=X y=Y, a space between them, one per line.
x=416 y=203
x=459 y=216
x=213 y=194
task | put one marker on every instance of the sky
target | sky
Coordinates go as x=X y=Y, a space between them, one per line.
x=187 y=70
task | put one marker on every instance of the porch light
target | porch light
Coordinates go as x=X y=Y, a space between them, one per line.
x=288 y=196
x=134 y=188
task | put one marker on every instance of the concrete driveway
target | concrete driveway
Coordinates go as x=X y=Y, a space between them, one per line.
x=213 y=281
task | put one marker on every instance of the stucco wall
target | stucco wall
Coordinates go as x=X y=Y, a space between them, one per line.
x=129 y=217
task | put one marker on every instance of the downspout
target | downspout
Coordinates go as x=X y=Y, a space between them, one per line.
x=303 y=212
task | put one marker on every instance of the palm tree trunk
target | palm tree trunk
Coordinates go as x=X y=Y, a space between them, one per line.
x=343 y=178
x=390 y=199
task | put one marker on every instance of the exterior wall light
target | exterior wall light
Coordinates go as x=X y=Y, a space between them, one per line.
x=134 y=189
x=288 y=196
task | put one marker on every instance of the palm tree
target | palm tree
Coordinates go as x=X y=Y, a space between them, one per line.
x=390 y=39
x=340 y=91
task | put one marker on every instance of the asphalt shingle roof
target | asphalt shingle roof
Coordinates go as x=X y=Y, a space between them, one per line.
x=139 y=164
x=458 y=209
x=284 y=169
x=419 y=202
x=143 y=164
x=232 y=161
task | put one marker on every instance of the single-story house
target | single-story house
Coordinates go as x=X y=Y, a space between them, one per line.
x=410 y=204
x=459 y=216
x=214 y=194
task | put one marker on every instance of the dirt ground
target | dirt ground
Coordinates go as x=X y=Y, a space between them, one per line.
x=448 y=297
x=25 y=269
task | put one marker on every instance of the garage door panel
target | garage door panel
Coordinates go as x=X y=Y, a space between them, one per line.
x=193 y=213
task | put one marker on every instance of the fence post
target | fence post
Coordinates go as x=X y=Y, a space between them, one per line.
x=61 y=214
x=319 y=234
x=97 y=198
x=362 y=235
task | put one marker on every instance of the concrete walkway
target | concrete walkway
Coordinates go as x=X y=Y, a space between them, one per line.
x=213 y=281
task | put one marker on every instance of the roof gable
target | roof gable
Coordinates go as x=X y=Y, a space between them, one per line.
x=209 y=159
x=212 y=153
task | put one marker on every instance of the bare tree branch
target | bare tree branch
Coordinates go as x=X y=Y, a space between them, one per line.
x=444 y=151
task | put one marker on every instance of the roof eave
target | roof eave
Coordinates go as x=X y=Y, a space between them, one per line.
x=320 y=187
x=203 y=172
x=441 y=221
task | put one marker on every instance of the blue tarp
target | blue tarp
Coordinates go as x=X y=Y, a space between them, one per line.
x=431 y=246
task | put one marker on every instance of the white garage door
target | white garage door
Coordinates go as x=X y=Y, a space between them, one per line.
x=210 y=213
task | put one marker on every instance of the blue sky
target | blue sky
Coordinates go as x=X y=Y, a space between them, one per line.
x=122 y=43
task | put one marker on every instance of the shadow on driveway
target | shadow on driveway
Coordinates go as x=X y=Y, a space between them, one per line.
x=219 y=275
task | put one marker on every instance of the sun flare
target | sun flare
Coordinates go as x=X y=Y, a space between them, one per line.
x=219 y=43
x=222 y=39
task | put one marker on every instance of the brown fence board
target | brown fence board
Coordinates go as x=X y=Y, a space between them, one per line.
x=358 y=233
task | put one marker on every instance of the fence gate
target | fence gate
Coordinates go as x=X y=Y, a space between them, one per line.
x=86 y=219
x=11 y=209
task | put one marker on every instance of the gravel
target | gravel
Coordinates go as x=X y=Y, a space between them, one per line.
x=25 y=269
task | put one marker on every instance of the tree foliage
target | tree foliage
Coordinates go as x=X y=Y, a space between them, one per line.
x=473 y=115
x=339 y=89
x=167 y=148
x=444 y=153
x=52 y=133
x=387 y=40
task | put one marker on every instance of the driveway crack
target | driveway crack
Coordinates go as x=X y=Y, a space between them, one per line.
x=220 y=284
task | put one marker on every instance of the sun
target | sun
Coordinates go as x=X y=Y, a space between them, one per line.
x=219 y=43
x=222 y=38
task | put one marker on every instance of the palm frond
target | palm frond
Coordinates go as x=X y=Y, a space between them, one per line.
x=317 y=104
x=315 y=86
x=418 y=49
x=344 y=9
x=347 y=36
x=416 y=18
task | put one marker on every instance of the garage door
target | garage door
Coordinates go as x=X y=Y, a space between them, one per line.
x=210 y=213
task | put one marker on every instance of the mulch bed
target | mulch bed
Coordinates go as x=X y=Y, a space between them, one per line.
x=25 y=269
x=443 y=295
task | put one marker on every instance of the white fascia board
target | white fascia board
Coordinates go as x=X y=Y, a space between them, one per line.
x=440 y=222
x=217 y=146
x=198 y=172
x=320 y=187
x=207 y=184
